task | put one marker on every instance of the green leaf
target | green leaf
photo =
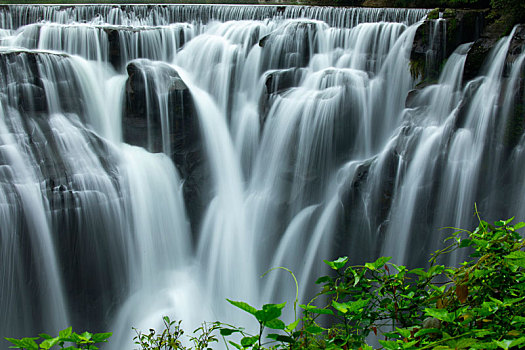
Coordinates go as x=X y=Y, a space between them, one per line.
x=243 y=306
x=292 y=325
x=465 y=343
x=49 y=343
x=465 y=243
x=516 y=258
x=324 y=279
x=349 y=306
x=314 y=309
x=29 y=343
x=86 y=336
x=269 y=312
x=425 y=331
x=435 y=270
x=337 y=264
x=419 y=271
x=341 y=307
x=357 y=278
x=45 y=336
x=405 y=333
x=228 y=331
x=516 y=342
x=66 y=333
x=519 y=225
x=281 y=338
x=484 y=346
x=101 y=337
x=321 y=311
x=389 y=344
x=314 y=329
x=441 y=314
x=504 y=344
x=249 y=341
x=275 y=324
x=235 y=344
x=16 y=342
x=378 y=263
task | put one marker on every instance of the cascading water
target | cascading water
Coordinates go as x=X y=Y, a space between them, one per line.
x=283 y=136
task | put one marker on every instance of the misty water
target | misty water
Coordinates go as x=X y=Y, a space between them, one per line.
x=156 y=160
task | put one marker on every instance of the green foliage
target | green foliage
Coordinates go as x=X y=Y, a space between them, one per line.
x=66 y=339
x=508 y=13
x=434 y=14
x=478 y=305
x=442 y=3
x=170 y=337
x=417 y=67
x=267 y=317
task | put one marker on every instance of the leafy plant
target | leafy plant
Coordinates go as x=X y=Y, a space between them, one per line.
x=478 y=305
x=86 y=340
x=170 y=338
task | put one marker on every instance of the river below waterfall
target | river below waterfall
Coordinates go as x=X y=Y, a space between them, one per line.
x=155 y=160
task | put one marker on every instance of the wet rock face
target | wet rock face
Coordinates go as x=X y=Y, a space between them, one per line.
x=436 y=39
x=159 y=115
x=28 y=94
x=38 y=137
x=517 y=44
x=464 y=27
x=143 y=44
x=290 y=46
x=515 y=127
x=482 y=47
x=277 y=82
x=43 y=74
x=476 y=57
x=114 y=48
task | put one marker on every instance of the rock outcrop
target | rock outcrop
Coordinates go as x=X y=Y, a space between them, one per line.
x=160 y=116
x=438 y=37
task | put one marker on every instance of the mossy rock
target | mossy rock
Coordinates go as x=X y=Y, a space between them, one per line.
x=434 y=14
x=449 y=13
x=476 y=57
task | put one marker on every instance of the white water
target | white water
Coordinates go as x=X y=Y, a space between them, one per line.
x=308 y=153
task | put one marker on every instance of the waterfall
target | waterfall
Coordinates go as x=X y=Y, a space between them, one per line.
x=156 y=160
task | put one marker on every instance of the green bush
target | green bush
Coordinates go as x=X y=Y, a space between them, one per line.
x=170 y=338
x=478 y=305
x=66 y=339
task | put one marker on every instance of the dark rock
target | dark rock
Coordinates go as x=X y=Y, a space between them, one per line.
x=476 y=57
x=289 y=46
x=142 y=126
x=115 y=56
x=23 y=88
x=436 y=39
x=277 y=82
x=516 y=46
x=467 y=26
x=411 y=96
x=26 y=88
x=281 y=80
x=428 y=49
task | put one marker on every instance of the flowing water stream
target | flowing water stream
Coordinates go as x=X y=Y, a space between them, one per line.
x=155 y=160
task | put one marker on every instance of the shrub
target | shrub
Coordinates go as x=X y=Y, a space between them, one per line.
x=478 y=305
x=84 y=341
